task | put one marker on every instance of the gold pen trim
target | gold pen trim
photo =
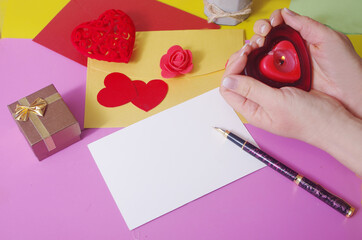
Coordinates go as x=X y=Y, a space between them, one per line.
x=350 y=212
x=243 y=145
x=298 y=178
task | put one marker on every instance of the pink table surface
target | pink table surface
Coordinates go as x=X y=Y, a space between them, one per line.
x=65 y=196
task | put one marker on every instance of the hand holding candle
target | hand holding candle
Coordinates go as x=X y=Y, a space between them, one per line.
x=282 y=61
x=336 y=67
x=291 y=112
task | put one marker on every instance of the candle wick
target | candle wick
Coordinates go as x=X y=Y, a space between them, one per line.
x=282 y=60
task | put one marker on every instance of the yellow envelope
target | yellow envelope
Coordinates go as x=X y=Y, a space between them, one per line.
x=210 y=50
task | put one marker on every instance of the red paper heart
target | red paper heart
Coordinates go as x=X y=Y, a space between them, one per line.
x=119 y=90
x=282 y=63
x=261 y=67
x=110 y=38
x=149 y=95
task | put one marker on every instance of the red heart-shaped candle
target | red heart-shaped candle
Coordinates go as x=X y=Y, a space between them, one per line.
x=282 y=61
x=149 y=95
x=119 y=90
x=110 y=38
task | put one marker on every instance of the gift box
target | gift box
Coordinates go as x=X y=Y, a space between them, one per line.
x=46 y=121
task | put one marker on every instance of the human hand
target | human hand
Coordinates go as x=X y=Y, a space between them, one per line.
x=317 y=117
x=281 y=111
x=336 y=67
x=313 y=117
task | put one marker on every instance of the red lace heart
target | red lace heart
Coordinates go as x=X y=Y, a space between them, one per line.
x=149 y=95
x=289 y=63
x=119 y=90
x=110 y=38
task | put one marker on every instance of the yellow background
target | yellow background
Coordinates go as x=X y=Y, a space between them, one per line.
x=26 y=18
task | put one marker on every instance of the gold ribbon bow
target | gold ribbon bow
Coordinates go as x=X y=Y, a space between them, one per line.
x=37 y=107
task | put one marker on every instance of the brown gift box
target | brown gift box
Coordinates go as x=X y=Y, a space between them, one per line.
x=52 y=132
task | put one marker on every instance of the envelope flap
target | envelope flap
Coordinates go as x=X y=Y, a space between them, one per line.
x=210 y=50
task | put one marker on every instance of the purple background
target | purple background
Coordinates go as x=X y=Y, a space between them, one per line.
x=65 y=196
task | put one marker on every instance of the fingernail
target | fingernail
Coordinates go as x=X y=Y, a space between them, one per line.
x=229 y=83
x=243 y=50
x=258 y=41
x=290 y=12
x=262 y=28
x=272 y=21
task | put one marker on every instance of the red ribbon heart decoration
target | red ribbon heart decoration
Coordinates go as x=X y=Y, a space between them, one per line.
x=282 y=61
x=119 y=90
x=110 y=38
x=149 y=95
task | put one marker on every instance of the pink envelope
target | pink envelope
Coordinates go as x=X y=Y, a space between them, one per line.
x=147 y=15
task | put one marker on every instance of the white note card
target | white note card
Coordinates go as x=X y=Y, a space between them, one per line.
x=172 y=158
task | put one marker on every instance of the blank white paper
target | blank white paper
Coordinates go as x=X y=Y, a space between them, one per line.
x=172 y=158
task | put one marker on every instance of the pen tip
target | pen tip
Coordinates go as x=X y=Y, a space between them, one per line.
x=219 y=129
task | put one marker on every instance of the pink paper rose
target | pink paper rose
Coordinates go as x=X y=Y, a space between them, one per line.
x=175 y=62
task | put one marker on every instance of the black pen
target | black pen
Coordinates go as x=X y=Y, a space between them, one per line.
x=318 y=191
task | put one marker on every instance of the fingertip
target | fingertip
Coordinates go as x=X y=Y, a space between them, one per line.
x=262 y=27
x=260 y=41
x=276 y=18
x=242 y=50
x=235 y=56
x=289 y=12
x=240 y=104
x=254 y=45
x=229 y=83
x=251 y=88
x=238 y=64
x=246 y=50
x=288 y=15
x=272 y=21
x=222 y=90
x=235 y=100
